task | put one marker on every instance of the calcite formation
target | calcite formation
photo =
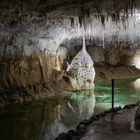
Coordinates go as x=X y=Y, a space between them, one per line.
x=81 y=71
x=36 y=40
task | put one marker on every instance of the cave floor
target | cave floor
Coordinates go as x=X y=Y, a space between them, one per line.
x=113 y=127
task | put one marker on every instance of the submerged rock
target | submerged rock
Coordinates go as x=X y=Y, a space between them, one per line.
x=81 y=71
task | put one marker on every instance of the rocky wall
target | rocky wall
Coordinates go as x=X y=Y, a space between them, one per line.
x=37 y=38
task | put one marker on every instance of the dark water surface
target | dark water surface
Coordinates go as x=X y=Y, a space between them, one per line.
x=44 y=120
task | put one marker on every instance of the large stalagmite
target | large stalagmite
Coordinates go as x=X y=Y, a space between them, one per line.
x=81 y=71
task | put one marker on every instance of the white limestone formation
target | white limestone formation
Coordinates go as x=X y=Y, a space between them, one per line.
x=81 y=71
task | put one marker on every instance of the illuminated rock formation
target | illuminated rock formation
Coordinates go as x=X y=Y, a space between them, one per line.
x=38 y=37
x=81 y=71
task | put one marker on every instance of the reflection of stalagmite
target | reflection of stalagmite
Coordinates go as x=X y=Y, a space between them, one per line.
x=79 y=106
x=81 y=71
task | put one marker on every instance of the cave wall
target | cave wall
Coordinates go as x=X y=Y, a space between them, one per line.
x=38 y=37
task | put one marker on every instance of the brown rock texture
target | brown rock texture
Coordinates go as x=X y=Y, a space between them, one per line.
x=37 y=38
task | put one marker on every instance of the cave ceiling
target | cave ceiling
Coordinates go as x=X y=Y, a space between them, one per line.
x=48 y=24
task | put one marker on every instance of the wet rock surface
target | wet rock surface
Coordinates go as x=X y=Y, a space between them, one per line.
x=107 y=72
x=108 y=125
x=137 y=119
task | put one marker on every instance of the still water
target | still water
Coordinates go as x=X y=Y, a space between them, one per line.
x=44 y=120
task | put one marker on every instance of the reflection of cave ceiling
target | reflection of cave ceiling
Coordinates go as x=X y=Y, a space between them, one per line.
x=34 y=25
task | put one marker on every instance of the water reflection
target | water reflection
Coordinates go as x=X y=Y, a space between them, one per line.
x=127 y=91
x=46 y=119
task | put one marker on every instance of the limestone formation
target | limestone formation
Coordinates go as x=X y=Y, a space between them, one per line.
x=81 y=71
x=36 y=37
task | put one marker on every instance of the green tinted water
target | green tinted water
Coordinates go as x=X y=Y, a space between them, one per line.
x=127 y=91
x=44 y=120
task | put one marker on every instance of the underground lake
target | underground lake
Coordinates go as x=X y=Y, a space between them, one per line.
x=47 y=118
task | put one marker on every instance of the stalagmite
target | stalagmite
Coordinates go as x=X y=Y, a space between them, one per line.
x=81 y=71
